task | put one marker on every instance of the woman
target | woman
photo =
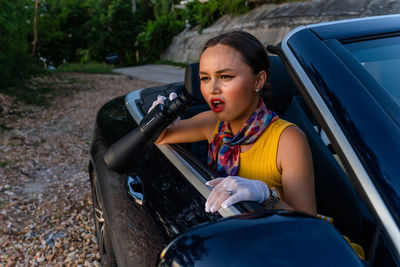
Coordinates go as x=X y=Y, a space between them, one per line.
x=259 y=156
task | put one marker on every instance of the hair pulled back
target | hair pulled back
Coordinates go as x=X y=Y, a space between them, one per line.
x=253 y=52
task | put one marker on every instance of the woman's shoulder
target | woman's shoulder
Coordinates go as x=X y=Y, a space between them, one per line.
x=293 y=149
x=276 y=128
x=282 y=124
x=290 y=131
x=292 y=139
x=286 y=134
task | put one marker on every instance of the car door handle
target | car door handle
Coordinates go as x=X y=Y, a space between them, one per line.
x=134 y=187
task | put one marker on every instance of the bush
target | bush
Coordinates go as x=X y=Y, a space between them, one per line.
x=205 y=14
x=162 y=7
x=235 y=7
x=158 y=35
x=92 y=68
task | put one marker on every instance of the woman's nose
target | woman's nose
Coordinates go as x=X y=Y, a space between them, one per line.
x=215 y=87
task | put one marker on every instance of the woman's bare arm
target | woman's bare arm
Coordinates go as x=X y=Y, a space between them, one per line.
x=197 y=128
x=294 y=161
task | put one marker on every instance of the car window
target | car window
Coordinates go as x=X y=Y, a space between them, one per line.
x=381 y=58
x=368 y=233
x=382 y=254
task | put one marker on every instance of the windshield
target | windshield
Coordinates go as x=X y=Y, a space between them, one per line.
x=381 y=58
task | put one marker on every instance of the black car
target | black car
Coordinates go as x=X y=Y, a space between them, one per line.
x=340 y=83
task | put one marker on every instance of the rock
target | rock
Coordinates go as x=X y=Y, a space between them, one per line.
x=81 y=259
x=271 y=22
x=5 y=104
x=50 y=257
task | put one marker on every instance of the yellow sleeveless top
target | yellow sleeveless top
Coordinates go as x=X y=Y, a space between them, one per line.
x=259 y=162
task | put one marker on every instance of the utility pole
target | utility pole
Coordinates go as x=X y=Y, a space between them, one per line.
x=35 y=34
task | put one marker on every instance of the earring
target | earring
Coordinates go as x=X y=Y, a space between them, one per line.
x=257 y=90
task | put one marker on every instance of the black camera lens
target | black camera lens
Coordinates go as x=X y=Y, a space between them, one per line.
x=120 y=154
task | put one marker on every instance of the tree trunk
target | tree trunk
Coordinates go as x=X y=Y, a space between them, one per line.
x=133 y=6
x=35 y=34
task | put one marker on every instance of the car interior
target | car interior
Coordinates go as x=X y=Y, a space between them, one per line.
x=335 y=195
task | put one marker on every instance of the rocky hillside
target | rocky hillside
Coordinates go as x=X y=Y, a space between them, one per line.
x=270 y=22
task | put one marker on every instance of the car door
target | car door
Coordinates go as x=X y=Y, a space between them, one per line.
x=164 y=187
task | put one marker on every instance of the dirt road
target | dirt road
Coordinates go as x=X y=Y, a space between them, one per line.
x=45 y=197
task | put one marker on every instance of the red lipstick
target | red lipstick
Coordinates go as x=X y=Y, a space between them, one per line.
x=217 y=105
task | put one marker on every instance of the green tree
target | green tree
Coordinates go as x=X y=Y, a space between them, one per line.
x=158 y=36
x=62 y=28
x=122 y=26
x=114 y=28
x=15 y=62
x=162 y=7
x=205 y=14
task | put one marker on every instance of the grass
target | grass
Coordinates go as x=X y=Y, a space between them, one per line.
x=4 y=127
x=4 y=164
x=166 y=62
x=35 y=96
x=42 y=93
x=38 y=93
x=92 y=68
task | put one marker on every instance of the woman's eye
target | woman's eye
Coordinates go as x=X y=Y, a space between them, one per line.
x=226 y=77
x=204 y=79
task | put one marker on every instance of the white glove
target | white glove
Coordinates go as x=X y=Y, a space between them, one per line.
x=233 y=189
x=161 y=99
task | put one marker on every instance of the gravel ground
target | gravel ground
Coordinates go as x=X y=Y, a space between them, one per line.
x=45 y=198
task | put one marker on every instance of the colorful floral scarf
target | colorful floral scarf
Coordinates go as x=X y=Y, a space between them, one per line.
x=224 y=149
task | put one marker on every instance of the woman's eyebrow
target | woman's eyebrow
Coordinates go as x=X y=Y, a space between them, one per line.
x=218 y=71
x=224 y=70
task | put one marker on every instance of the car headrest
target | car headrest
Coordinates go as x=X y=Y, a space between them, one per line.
x=192 y=82
x=281 y=89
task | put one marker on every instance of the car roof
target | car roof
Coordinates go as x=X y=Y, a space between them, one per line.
x=356 y=28
x=370 y=126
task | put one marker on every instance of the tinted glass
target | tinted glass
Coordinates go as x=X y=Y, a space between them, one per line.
x=381 y=58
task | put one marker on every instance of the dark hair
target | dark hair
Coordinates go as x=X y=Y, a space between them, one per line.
x=253 y=52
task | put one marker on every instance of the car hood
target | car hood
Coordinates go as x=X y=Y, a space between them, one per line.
x=263 y=238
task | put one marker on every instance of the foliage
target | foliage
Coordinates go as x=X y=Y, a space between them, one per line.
x=62 y=27
x=158 y=35
x=89 y=30
x=162 y=7
x=114 y=30
x=86 y=31
x=39 y=96
x=172 y=63
x=93 y=68
x=15 y=62
x=204 y=14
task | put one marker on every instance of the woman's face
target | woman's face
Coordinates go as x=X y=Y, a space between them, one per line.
x=228 y=84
